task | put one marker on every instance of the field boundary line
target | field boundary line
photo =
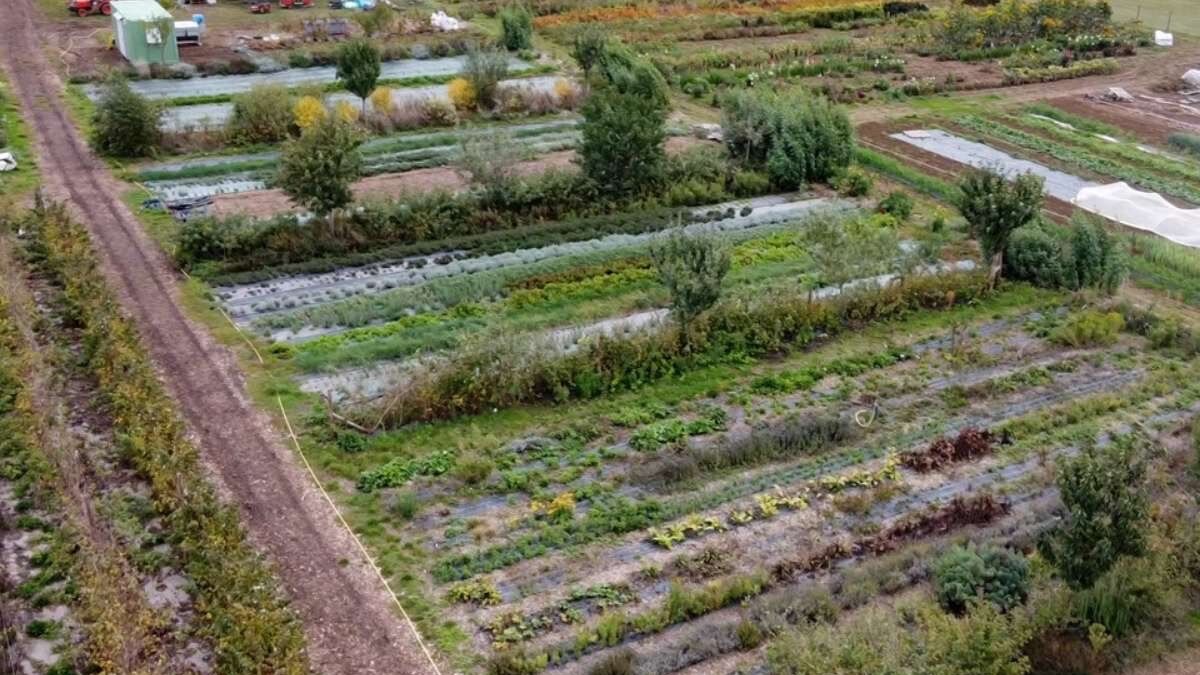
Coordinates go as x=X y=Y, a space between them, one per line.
x=338 y=512
x=357 y=541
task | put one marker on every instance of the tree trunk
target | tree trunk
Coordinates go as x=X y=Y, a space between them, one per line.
x=997 y=265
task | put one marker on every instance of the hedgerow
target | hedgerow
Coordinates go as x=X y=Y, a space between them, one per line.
x=500 y=375
x=246 y=617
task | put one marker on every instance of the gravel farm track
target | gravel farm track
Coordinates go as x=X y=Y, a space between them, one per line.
x=349 y=619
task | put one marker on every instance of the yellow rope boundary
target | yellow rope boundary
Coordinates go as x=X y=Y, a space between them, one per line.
x=321 y=488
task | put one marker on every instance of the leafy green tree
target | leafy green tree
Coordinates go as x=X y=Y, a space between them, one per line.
x=125 y=124
x=516 y=24
x=621 y=147
x=1107 y=512
x=317 y=169
x=797 y=138
x=484 y=69
x=692 y=269
x=489 y=161
x=995 y=208
x=261 y=115
x=588 y=48
x=964 y=575
x=358 y=68
x=1096 y=260
x=844 y=249
x=619 y=68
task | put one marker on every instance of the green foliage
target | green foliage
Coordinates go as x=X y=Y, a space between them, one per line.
x=125 y=124
x=898 y=204
x=845 y=249
x=358 y=68
x=995 y=207
x=1125 y=598
x=516 y=25
x=484 y=69
x=983 y=642
x=317 y=169
x=1185 y=143
x=1089 y=328
x=797 y=138
x=473 y=469
x=1015 y=22
x=1107 y=512
x=399 y=471
x=963 y=576
x=1088 y=257
x=692 y=269
x=479 y=592
x=618 y=68
x=1095 y=258
x=261 y=115
x=1036 y=256
x=621 y=149
x=854 y=182
x=588 y=48
x=618 y=662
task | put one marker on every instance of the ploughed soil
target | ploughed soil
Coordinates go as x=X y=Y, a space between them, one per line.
x=350 y=620
x=1146 y=120
x=266 y=203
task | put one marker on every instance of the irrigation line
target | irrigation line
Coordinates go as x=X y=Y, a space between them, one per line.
x=321 y=488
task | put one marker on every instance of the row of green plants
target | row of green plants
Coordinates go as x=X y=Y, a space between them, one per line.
x=1011 y=23
x=246 y=616
x=527 y=212
x=1053 y=73
x=476 y=381
x=121 y=631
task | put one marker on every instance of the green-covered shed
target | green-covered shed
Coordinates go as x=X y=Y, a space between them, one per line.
x=145 y=32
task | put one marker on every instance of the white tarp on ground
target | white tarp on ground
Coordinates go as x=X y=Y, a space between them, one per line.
x=1142 y=210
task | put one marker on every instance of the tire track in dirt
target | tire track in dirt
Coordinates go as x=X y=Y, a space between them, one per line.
x=349 y=621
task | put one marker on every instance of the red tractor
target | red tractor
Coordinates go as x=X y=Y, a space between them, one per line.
x=86 y=7
x=295 y=4
x=260 y=8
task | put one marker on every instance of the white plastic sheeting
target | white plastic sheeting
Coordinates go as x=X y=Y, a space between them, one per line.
x=1142 y=210
x=1059 y=185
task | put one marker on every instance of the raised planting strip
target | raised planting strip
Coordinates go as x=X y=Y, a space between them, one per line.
x=232 y=174
x=214 y=85
x=250 y=302
x=211 y=115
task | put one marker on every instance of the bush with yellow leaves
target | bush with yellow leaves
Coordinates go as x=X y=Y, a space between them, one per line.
x=462 y=94
x=381 y=100
x=308 y=111
x=346 y=112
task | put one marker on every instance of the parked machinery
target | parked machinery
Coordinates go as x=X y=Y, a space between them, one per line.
x=86 y=7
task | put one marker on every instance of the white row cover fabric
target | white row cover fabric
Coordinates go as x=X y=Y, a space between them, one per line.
x=1142 y=210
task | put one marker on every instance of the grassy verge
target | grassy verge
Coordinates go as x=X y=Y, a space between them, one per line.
x=15 y=185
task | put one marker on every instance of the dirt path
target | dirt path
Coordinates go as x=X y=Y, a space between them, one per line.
x=349 y=620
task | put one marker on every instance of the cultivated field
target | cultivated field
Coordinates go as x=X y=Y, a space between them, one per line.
x=711 y=337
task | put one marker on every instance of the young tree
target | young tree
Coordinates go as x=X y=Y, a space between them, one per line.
x=844 y=249
x=125 y=124
x=1095 y=257
x=1107 y=512
x=621 y=149
x=358 y=68
x=588 y=48
x=995 y=208
x=965 y=575
x=317 y=169
x=484 y=69
x=516 y=24
x=692 y=269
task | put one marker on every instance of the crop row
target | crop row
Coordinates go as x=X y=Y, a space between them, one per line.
x=246 y=616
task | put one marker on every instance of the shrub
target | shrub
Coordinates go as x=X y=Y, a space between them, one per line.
x=621 y=146
x=125 y=124
x=1125 y=598
x=473 y=469
x=489 y=161
x=484 y=69
x=461 y=93
x=898 y=204
x=307 y=112
x=381 y=100
x=692 y=269
x=1186 y=143
x=478 y=592
x=262 y=115
x=516 y=25
x=797 y=138
x=358 y=68
x=1090 y=328
x=1035 y=256
x=965 y=575
x=1095 y=258
x=1107 y=510
x=854 y=182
